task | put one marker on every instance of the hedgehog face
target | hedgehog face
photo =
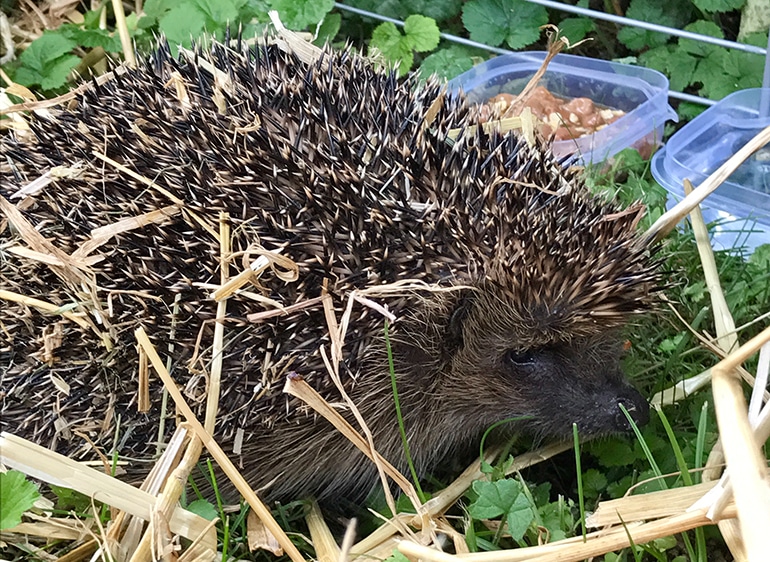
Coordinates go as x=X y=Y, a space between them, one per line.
x=550 y=386
x=570 y=382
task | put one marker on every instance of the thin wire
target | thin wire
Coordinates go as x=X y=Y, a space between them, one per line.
x=476 y=44
x=690 y=97
x=764 y=98
x=650 y=26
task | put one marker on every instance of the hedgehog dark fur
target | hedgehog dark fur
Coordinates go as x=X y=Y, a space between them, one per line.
x=331 y=164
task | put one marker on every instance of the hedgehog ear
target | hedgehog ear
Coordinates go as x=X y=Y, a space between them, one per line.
x=463 y=306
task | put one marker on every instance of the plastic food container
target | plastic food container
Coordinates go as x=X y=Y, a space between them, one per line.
x=741 y=205
x=641 y=92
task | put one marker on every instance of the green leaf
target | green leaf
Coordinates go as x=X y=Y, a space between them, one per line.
x=132 y=23
x=46 y=48
x=18 y=494
x=494 y=21
x=698 y=48
x=503 y=498
x=219 y=13
x=387 y=39
x=662 y=12
x=447 y=63
x=657 y=58
x=146 y=23
x=92 y=37
x=541 y=493
x=254 y=29
x=696 y=291
x=575 y=29
x=68 y=499
x=155 y=9
x=757 y=39
x=746 y=68
x=438 y=11
x=406 y=62
x=712 y=73
x=182 y=23
x=520 y=517
x=719 y=5
x=673 y=62
x=90 y=19
x=397 y=556
x=255 y=9
x=615 y=452
x=486 y=467
x=300 y=14
x=670 y=344
x=495 y=498
x=404 y=505
x=557 y=518
x=204 y=508
x=328 y=29
x=594 y=483
x=665 y=543
x=761 y=257
x=422 y=33
x=638 y=39
x=688 y=110
x=621 y=486
x=401 y=9
x=53 y=75
x=681 y=68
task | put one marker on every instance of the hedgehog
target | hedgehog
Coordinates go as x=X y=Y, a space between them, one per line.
x=508 y=281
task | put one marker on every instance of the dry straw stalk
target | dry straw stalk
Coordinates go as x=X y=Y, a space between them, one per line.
x=326 y=549
x=727 y=341
x=53 y=468
x=748 y=467
x=216 y=451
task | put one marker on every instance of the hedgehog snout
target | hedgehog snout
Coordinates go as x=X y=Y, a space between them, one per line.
x=636 y=406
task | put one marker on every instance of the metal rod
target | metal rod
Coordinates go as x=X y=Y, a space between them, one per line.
x=476 y=44
x=691 y=98
x=650 y=26
x=764 y=97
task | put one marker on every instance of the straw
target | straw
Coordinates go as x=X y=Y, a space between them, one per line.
x=59 y=470
x=216 y=451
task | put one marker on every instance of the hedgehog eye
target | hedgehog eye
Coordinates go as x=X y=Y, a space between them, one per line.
x=520 y=357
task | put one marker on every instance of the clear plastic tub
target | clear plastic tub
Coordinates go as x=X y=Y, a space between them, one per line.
x=641 y=92
x=741 y=205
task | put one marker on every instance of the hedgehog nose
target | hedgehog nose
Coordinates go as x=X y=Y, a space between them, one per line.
x=637 y=408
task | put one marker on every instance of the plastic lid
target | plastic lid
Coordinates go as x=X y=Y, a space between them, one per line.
x=709 y=140
x=733 y=226
x=641 y=92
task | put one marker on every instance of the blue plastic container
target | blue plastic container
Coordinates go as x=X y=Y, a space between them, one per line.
x=741 y=205
x=641 y=92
